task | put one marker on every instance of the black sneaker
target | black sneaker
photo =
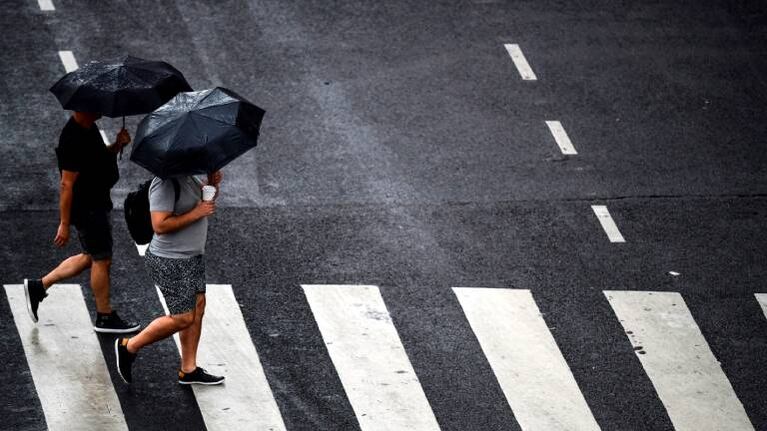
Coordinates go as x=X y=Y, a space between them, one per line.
x=35 y=293
x=112 y=324
x=199 y=377
x=124 y=359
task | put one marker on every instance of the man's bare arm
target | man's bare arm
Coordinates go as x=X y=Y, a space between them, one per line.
x=66 y=187
x=166 y=222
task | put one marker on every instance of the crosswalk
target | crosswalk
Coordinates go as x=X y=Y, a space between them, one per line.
x=373 y=366
x=366 y=350
x=245 y=401
x=533 y=375
x=64 y=356
x=678 y=360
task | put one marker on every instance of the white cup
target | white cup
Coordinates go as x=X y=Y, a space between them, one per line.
x=208 y=192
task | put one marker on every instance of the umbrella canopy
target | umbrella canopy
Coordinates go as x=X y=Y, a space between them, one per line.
x=196 y=133
x=129 y=86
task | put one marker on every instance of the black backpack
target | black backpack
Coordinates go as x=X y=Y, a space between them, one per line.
x=136 y=208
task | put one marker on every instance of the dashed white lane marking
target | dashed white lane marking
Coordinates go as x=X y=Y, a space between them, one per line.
x=565 y=145
x=688 y=378
x=68 y=60
x=65 y=359
x=525 y=71
x=608 y=224
x=368 y=355
x=46 y=5
x=537 y=382
x=245 y=400
x=762 y=299
x=104 y=137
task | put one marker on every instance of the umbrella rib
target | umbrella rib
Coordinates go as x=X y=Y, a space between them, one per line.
x=200 y=113
x=202 y=99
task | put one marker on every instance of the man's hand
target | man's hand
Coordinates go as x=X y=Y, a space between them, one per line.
x=62 y=235
x=215 y=178
x=204 y=209
x=123 y=139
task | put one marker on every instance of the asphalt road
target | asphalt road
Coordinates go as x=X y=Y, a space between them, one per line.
x=401 y=149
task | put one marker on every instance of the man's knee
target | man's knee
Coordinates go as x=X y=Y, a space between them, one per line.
x=84 y=260
x=101 y=263
x=200 y=307
x=184 y=320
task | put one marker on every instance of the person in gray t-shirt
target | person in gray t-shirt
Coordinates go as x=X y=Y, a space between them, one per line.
x=183 y=243
x=175 y=262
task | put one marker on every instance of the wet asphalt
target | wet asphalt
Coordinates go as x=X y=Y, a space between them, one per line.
x=400 y=148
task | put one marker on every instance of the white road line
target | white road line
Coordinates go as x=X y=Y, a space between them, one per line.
x=68 y=59
x=245 y=400
x=104 y=137
x=608 y=224
x=525 y=71
x=369 y=357
x=762 y=299
x=46 y=5
x=75 y=390
x=537 y=382
x=679 y=362
x=565 y=145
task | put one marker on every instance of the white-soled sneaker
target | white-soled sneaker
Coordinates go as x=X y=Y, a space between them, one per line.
x=199 y=377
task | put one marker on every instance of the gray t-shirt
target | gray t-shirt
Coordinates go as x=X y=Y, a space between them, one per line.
x=189 y=241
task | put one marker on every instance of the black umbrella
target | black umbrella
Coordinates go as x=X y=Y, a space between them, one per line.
x=129 y=86
x=196 y=133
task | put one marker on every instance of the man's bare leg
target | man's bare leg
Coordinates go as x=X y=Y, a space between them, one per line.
x=70 y=267
x=190 y=337
x=160 y=328
x=100 y=284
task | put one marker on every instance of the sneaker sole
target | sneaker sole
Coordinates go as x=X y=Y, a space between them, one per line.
x=116 y=331
x=29 y=301
x=117 y=362
x=201 y=383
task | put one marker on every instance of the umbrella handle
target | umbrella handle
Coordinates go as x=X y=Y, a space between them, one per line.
x=121 y=148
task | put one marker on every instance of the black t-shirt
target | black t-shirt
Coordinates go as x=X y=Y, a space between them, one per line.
x=82 y=150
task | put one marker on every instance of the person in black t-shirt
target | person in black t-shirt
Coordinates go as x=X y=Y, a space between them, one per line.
x=88 y=172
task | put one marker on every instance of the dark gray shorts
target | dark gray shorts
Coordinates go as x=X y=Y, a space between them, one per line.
x=94 y=230
x=179 y=280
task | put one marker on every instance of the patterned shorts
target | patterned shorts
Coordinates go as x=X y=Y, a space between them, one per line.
x=179 y=280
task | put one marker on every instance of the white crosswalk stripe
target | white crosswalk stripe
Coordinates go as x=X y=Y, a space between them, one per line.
x=368 y=355
x=676 y=357
x=245 y=400
x=533 y=375
x=75 y=390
